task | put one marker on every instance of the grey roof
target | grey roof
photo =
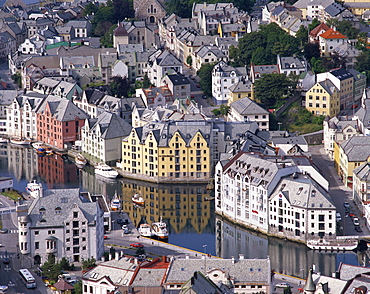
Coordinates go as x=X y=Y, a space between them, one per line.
x=166 y=58
x=51 y=83
x=227 y=69
x=149 y=277
x=62 y=109
x=77 y=24
x=340 y=125
x=110 y=126
x=129 y=48
x=65 y=199
x=356 y=148
x=363 y=113
x=334 y=9
x=246 y=106
x=363 y=172
x=292 y=62
x=329 y=87
x=178 y=79
x=204 y=50
x=303 y=192
x=119 y=272
x=243 y=270
x=265 y=69
x=241 y=86
x=341 y=74
x=77 y=61
x=299 y=140
x=7 y=97
x=348 y=271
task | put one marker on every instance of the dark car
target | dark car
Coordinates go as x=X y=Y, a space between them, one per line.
x=3 y=231
x=6 y=260
x=358 y=229
x=346 y=205
x=120 y=221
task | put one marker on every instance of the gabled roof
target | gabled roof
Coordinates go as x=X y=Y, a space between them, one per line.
x=319 y=28
x=246 y=106
x=111 y=126
x=331 y=34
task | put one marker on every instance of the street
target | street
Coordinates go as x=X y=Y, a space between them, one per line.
x=338 y=192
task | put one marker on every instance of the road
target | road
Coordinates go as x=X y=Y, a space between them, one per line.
x=9 y=272
x=338 y=192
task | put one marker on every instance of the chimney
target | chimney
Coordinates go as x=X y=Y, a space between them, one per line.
x=136 y=261
x=110 y=256
x=232 y=259
x=102 y=258
x=241 y=256
x=164 y=258
x=121 y=253
x=187 y=257
x=116 y=255
x=41 y=191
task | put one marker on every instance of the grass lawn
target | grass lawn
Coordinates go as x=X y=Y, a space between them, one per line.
x=14 y=195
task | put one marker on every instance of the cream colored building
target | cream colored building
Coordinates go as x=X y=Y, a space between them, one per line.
x=323 y=99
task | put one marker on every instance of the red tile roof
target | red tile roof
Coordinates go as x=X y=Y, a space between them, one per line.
x=331 y=34
x=321 y=26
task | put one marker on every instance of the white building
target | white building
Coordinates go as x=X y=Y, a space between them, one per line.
x=21 y=115
x=61 y=223
x=300 y=209
x=223 y=77
x=244 y=185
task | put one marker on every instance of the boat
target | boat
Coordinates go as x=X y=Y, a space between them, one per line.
x=20 y=141
x=80 y=160
x=145 y=230
x=3 y=140
x=48 y=150
x=34 y=189
x=137 y=199
x=115 y=203
x=333 y=244
x=105 y=171
x=209 y=198
x=160 y=229
x=38 y=145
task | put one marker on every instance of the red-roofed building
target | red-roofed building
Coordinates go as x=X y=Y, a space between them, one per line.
x=330 y=40
x=316 y=32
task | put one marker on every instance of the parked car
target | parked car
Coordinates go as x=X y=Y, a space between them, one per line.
x=283 y=285
x=339 y=217
x=4 y=231
x=137 y=245
x=346 y=204
x=125 y=229
x=356 y=221
x=197 y=85
x=204 y=96
x=120 y=221
x=358 y=229
x=4 y=289
x=6 y=260
x=192 y=96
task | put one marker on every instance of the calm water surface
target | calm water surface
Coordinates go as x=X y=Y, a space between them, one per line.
x=190 y=218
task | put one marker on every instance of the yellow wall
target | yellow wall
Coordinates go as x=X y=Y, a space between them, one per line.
x=180 y=206
x=177 y=160
x=236 y=96
x=315 y=101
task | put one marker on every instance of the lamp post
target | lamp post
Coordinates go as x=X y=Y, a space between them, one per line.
x=302 y=270
x=279 y=123
x=112 y=229
x=205 y=249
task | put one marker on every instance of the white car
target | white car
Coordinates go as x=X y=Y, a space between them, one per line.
x=282 y=285
x=355 y=221
x=4 y=289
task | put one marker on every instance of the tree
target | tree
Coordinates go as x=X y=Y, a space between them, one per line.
x=182 y=8
x=119 y=86
x=272 y=87
x=102 y=28
x=146 y=81
x=302 y=36
x=89 y=9
x=51 y=269
x=311 y=50
x=189 y=60
x=88 y=263
x=65 y=265
x=205 y=75
x=345 y=27
x=122 y=9
x=78 y=287
x=17 y=78
x=107 y=39
x=314 y=23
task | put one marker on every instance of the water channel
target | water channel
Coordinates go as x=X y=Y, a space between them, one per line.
x=191 y=220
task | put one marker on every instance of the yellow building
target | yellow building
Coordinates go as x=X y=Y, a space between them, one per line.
x=168 y=151
x=240 y=90
x=357 y=7
x=350 y=155
x=182 y=207
x=323 y=99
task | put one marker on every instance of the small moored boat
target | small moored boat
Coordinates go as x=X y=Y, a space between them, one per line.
x=137 y=199
x=105 y=170
x=3 y=140
x=20 y=141
x=145 y=230
x=80 y=160
x=34 y=189
x=115 y=203
x=160 y=229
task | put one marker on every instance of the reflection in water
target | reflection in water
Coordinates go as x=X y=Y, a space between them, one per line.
x=286 y=256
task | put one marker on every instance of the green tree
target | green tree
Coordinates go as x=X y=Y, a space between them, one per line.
x=102 y=20
x=272 y=87
x=287 y=290
x=119 y=86
x=51 y=269
x=181 y=8
x=17 y=78
x=146 y=81
x=345 y=27
x=189 y=60
x=314 y=23
x=205 y=75
x=140 y=251
x=107 y=39
x=311 y=50
x=302 y=36
x=89 y=9
x=78 y=287
x=88 y=263
x=65 y=265
x=122 y=9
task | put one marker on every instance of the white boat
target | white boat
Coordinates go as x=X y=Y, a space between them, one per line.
x=145 y=230
x=34 y=189
x=333 y=244
x=38 y=145
x=137 y=199
x=115 y=203
x=20 y=141
x=3 y=140
x=105 y=171
x=80 y=160
x=160 y=229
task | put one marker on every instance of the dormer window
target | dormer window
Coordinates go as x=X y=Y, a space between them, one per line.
x=42 y=211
